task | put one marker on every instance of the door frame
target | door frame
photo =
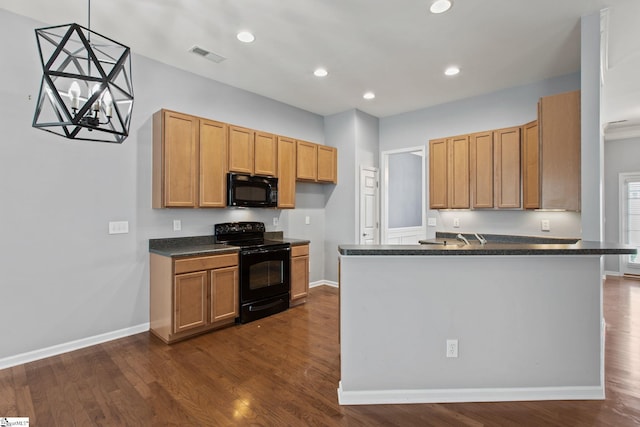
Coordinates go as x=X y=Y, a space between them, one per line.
x=622 y=220
x=384 y=182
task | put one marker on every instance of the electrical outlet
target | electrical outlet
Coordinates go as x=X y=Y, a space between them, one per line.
x=275 y=221
x=545 y=225
x=118 y=227
x=456 y=222
x=452 y=348
x=431 y=222
x=177 y=225
x=307 y=220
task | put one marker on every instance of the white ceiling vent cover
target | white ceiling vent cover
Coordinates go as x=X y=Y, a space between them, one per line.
x=206 y=54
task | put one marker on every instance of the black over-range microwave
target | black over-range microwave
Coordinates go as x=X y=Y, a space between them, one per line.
x=252 y=191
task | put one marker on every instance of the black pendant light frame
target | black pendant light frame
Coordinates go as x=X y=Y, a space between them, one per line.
x=104 y=115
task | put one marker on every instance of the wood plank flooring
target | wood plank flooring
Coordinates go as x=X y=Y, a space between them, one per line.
x=284 y=371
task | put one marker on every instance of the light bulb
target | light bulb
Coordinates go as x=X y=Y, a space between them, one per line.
x=96 y=105
x=74 y=95
x=108 y=103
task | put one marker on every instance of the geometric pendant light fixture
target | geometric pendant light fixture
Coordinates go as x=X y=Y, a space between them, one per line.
x=86 y=91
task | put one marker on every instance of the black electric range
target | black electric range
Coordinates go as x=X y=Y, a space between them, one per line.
x=265 y=269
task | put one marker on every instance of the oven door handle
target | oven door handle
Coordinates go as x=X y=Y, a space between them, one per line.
x=264 y=251
x=264 y=307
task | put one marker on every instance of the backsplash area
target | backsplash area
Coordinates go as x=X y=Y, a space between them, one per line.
x=529 y=223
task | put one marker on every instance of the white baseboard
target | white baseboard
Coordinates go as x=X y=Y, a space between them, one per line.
x=323 y=282
x=612 y=273
x=381 y=397
x=55 y=350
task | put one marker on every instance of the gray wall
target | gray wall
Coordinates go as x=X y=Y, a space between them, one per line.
x=620 y=156
x=63 y=277
x=355 y=134
x=509 y=107
x=592 y=151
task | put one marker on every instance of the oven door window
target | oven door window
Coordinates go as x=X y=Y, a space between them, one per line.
x=266 y=273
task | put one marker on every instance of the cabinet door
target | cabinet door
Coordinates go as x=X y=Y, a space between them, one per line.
x=190 y=301
x=530 y=166
x=559 y=122
x=306 y=161
x=286 y=173
x=327 y=164
x=240 y=150
x=458 y=179
x=224 y=293
x=179 y=149
x=506 y=163
x=213 y=164
x=438 y=165
x=265 y=154
x=482 y=169
x=299 y=272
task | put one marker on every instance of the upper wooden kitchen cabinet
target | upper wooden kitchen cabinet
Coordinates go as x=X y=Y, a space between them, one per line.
x=265 y=154
x=458 y=172
x=252 y=152
x=449 y=173
x=306 y=161
x=327 y=164
x=286 y=173
x=241 y=149
x=530 y=166
x=316 y=162
x=438 y=162
x=213 y=164
x=559 y=127
x=481 y=169
x=187 y=169
x=506 y=166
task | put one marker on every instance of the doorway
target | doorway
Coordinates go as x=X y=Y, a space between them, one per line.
x=403 y=203
x=629 y=184
x=369 y=206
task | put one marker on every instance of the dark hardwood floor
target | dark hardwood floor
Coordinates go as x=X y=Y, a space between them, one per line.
x=284 y=371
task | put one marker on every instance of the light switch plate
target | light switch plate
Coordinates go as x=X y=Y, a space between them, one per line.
x=431 y=222
x=177 y=225
x=456 y=222
x=307 y=220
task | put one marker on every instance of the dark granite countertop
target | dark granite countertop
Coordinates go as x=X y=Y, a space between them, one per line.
x=204 y=245
x=458 y=248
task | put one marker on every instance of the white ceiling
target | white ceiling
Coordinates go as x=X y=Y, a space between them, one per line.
x=395 y=48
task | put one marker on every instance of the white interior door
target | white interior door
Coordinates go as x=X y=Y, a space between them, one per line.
x=369 y=206
x=403 y=207
x=630 y=220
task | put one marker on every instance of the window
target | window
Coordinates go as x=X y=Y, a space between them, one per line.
x=631 y=215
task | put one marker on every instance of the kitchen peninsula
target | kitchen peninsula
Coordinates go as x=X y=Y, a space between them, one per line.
x=521 y=322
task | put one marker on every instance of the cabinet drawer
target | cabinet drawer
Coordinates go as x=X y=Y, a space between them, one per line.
x=186 y=265
x=299 y=250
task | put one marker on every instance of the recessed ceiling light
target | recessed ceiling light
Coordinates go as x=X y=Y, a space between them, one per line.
x=440 y=6
x=369 y=95
x=320 y=72
x=452 y=71
x=245 y=36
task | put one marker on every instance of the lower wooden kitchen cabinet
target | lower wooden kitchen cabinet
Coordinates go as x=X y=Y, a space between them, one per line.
x=192 y=295
x=299 y=274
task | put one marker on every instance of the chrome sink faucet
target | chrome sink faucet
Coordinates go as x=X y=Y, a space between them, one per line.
x=461 y=237
x=480 y=238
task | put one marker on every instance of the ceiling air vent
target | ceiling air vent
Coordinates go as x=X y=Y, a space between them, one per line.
x=206 y=54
